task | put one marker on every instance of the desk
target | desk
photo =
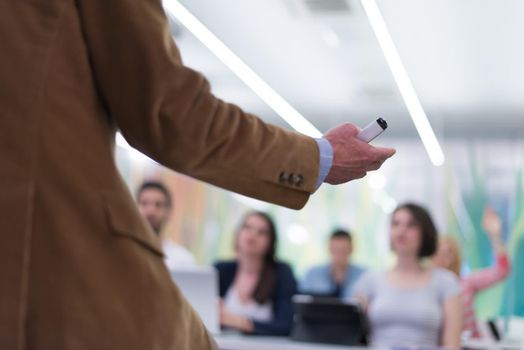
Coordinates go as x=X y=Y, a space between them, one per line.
x=491 y=345
x=239 y=342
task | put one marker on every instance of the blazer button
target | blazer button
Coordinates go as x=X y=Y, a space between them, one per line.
x=298 y=180
x=284 y=177
x=291 y=179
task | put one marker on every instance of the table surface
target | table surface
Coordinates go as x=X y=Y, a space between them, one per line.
x=491 y=345
x=241 y=342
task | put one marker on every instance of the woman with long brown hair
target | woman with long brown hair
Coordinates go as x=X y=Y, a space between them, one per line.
x=255 y=288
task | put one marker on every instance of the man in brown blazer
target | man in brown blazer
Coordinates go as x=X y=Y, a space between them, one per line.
x=79 y=268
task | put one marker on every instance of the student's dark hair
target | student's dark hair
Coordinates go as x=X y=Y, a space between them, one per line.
x=156 y=185
x=428 y=231
x=267 y=279
x=341 y=233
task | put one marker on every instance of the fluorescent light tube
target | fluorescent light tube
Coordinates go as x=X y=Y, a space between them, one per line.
x=419 y=117
x=296 y=120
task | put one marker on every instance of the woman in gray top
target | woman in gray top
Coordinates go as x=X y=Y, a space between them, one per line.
x=412 y=304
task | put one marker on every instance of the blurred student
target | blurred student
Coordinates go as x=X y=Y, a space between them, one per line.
x=155 y=203
x=255 y=288
x=412 y=304
x=448 y=256
x=337 y=278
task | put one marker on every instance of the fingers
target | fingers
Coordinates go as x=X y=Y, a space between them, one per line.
x=375 y=165
x=380 y=155
x=350 y=129
x=339 y=176
x=359 y=175
x=385 y=152
x=353 y=158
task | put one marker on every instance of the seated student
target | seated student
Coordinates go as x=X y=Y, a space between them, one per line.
x=339 y=276
x=255 y=289
x=412 y=304
x=448 y=256
x=156 y=204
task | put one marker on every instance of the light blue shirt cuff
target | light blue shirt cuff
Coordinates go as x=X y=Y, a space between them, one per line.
x=326 y=159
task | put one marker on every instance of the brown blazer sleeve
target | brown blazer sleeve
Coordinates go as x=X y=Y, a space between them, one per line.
x=167 y=111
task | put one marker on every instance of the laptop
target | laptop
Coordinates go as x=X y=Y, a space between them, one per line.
x=328 y=320
x=199 y=285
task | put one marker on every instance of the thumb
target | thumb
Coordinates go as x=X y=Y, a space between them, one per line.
x=386 y=152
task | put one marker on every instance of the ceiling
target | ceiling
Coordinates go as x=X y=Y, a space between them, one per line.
x=465 y=59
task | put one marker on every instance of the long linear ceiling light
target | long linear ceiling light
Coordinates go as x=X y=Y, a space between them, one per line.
x=296 y=120
x=404 y=84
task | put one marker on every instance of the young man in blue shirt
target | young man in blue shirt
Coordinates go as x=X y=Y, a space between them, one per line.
x=337 y=278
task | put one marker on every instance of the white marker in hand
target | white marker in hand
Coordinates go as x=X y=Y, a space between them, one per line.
x=372 y=130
